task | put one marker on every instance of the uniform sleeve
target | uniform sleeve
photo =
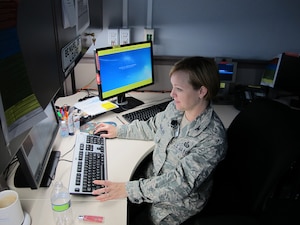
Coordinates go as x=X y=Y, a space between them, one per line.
x=140 y=130
x=183 y=180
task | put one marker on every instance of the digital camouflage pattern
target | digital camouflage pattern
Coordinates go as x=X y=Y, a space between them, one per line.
x=179 y=181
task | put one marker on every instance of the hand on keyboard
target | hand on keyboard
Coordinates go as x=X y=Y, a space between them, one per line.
x=110 y=191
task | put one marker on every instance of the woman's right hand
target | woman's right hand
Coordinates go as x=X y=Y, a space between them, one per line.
x=111 y=130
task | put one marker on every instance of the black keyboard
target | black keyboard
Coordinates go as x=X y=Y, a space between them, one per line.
x=146 y=113
x=89 y=163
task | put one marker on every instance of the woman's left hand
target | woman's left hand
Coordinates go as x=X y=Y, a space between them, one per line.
x=110 y=191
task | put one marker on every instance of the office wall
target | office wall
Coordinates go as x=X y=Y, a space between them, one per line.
x=249 y=29
x=242 y=30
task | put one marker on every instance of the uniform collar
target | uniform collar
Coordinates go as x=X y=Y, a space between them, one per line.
x=199 y=124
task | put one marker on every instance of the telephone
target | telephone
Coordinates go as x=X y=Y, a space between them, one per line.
x=245 y=94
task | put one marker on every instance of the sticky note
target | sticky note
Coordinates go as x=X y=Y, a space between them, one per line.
x=108 y=105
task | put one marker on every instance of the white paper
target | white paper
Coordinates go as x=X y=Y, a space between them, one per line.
x=93 y=106
x=69 y=13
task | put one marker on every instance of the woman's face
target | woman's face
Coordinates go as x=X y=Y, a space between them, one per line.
x=185 y=97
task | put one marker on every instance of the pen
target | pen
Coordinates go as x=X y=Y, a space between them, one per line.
x=62 y=113
x=89 y=218
x=120 y=120
x=59 y=115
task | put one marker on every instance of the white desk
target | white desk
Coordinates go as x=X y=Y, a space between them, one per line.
x=123 y=158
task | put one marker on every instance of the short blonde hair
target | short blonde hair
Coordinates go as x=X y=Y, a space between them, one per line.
x=202 y=72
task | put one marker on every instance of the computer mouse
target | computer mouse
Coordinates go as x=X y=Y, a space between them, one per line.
x=111 y=123
x=100 y=132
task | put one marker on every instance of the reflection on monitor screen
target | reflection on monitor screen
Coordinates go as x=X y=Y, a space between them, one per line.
x=122 y=69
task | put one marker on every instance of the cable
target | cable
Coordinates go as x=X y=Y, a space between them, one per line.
x=61 y=157
x=89 y=94
x=8 y=169
x=88 y=84
x=66 y=160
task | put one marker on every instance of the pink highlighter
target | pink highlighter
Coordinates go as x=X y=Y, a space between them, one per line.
x=89 y=218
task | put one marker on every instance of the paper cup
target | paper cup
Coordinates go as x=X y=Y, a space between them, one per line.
x=10 y=208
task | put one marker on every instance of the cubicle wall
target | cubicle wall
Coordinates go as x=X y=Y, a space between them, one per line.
x=249 y=72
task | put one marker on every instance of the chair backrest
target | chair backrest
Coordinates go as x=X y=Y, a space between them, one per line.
x=263 y=141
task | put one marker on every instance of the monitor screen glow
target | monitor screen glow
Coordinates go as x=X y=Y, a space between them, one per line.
x=270 y=73
x=227 y=71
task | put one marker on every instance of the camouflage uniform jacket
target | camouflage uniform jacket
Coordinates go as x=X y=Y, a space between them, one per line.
x=179 y=180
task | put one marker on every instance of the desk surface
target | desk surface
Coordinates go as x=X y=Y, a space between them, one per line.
x=123 y=156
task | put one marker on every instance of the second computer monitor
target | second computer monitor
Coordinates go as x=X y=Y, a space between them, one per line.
x=227 y=73
x=283 y=73
x=124 y=68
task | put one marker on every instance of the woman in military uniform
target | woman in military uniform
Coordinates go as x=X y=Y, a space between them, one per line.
x=189 y=142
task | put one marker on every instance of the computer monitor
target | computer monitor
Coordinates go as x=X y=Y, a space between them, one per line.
x=227 y=72
x=283 y=73
x=19 y=107
x=21 y=117
x=23 y=120
x=121 y=69
x=270 y=73
x=36 y=157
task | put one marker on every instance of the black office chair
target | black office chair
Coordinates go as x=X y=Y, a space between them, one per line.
x=263 y=145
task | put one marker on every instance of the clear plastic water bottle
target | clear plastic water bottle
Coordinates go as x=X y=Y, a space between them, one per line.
x=61 y=205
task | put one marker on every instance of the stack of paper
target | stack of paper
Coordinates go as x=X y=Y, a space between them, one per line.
x=93 y=106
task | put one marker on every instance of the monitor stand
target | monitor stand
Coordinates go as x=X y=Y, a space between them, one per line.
x=126 y=103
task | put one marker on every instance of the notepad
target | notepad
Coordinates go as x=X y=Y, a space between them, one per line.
x=93 y=106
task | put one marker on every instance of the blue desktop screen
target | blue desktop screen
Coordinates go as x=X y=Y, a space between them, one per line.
x=124 y=68
x=226 y=71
